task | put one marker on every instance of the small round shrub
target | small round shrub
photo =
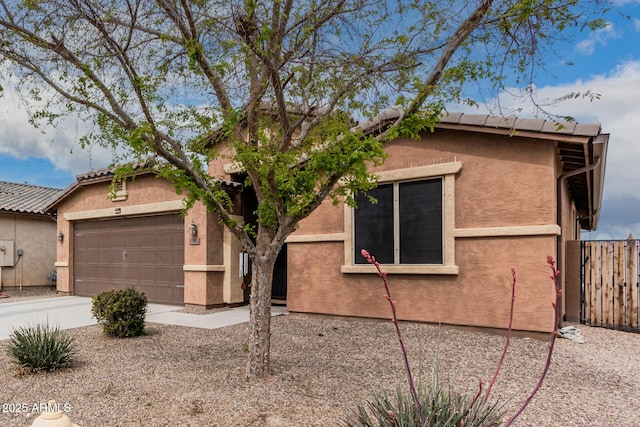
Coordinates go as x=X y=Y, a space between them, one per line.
x=121 y=313
x=40 y=348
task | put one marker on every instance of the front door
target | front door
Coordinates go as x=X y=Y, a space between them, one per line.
x=279 y=284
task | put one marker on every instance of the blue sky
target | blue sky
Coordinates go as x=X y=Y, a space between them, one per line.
x=606 y=62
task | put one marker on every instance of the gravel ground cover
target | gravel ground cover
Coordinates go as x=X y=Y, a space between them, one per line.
x=177 y=376
x=27 y=293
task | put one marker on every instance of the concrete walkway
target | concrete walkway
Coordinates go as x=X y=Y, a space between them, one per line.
x=74 y=312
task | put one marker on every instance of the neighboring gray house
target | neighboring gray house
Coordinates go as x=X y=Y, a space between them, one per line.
x=27 y=235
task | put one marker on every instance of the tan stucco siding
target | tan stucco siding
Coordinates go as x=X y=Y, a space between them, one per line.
x=569 y=221
x=502 y=215
x=141 y=190
x=146 y=194
x=327 y=219
x=478 y=296
x=36 y=236
x=504 y=181
x=221 y=165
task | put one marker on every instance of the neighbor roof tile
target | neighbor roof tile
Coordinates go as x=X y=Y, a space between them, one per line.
x=24 y=198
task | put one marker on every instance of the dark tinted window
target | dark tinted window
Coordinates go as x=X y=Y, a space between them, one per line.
x=421 y=222
x=374 y=225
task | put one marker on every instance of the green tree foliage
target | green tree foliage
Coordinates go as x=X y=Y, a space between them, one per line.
x=273 y=84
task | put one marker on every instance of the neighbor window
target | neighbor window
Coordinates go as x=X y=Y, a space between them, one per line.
x=404 y=225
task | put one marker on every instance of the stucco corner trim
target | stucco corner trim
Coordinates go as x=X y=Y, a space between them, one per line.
x=530 y=230
x=402 y=269
x=61 y=264
x=308 y=238
x=195 y=267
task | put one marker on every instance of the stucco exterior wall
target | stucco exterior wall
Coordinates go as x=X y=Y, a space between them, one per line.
x=504 y=181
x=478 y=296
x=36 y=236
x=504 y=216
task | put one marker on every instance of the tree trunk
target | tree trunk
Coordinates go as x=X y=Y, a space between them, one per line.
x=258 y=365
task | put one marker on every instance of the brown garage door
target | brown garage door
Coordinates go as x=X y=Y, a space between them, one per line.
x=144 y=252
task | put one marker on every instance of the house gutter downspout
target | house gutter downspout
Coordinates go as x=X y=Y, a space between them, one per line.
x=559 y=257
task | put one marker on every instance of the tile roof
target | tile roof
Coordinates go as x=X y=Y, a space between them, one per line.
x=510 y=124
x=107 y=174
x=24 y=198
x=514 y=123
x=136 y=166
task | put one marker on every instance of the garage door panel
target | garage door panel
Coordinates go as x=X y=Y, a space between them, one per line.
x=166 y=256
x=161 y=295
x=145 y=252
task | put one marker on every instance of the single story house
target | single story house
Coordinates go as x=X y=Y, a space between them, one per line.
x=457 y=209
x=27 y=235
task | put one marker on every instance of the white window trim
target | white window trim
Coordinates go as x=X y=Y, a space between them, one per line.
x=448 y=173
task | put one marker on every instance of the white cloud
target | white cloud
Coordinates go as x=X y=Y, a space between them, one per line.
x=597 y=37
x=617 y=110
x=616 y=232
x=60 y=145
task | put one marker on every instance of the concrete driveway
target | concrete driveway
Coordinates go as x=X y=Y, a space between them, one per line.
x=74 y=312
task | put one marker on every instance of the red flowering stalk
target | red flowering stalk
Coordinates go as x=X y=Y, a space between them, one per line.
x=393 y=419
x=394 y=319
x=507 y=342
x=554 y=277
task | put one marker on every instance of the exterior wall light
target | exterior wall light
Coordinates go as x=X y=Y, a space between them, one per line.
x=60 y=236
x=193 y=233
x=193 y=229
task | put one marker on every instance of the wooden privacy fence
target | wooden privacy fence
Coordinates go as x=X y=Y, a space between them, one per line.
x=610 y=283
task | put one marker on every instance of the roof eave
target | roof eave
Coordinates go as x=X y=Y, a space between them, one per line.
x=23 y=212
x=82 y=181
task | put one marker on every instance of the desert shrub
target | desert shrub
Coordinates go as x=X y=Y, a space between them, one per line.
x=441 y=407
x=40 y=348
x=438 y=406
x=121 y=313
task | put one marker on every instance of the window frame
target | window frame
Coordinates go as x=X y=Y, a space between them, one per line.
x=394 y=207
x=446 y=171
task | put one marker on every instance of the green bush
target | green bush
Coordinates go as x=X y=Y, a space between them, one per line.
x=441 y=406
x=40 y=348
x=121 y=313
